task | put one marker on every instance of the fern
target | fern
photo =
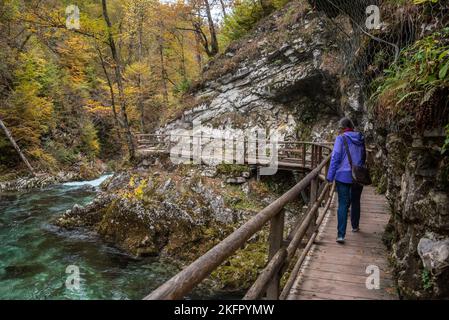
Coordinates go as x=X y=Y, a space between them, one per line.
x=422 y=70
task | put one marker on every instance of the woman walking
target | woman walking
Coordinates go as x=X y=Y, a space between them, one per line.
x=349 y=193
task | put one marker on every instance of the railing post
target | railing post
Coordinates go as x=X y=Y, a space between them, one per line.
x=326 y=171
x=275 y=240
x=320 y=154
x=311 y=155
x=313 y=198
x=304 y=151
x=245 y=150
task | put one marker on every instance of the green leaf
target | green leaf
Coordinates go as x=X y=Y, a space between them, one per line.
x=442 y=55
x=406 y=96
x=443 y=71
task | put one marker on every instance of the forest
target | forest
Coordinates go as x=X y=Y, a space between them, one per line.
x=77 y=82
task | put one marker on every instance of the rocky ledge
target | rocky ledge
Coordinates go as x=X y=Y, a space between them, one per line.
x=179 y=213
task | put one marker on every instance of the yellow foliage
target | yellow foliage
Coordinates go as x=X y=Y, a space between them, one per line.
x=89 y=140
x=45 y=161
x=132 y=183
x=139 y=191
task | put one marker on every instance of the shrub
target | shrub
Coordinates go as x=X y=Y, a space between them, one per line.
x=61 y=153
x=245 y=16
x=414 y=85
x=89 y=140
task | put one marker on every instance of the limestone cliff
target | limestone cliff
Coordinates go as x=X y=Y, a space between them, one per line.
x=287 y=74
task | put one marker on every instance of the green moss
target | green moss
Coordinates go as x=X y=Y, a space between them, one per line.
x=241 y=270
x=244 y=204
x=427 y=281
x=234 y=170
x=303 y=132
x=236 y=199
x=379 y=178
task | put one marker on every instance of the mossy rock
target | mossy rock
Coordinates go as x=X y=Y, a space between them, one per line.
x=233 y=170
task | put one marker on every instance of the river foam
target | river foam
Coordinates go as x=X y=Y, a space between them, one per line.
x=94 y=183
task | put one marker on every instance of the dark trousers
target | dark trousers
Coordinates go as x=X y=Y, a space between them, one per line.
x=348 y=196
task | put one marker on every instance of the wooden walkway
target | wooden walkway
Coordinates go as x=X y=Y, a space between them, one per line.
x=291 y=155
x=335 y=271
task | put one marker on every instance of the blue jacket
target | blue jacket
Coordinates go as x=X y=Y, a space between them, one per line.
x=340 y=169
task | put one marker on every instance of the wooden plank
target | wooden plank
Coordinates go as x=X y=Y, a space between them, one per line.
x=336 y=271
x=372 y=226
x=353 y=245
x=374 y=241
x=340 y=287
x=348 y=269
x=360 y=262
x=351 y=278
x=348 y=256
x=311 y=295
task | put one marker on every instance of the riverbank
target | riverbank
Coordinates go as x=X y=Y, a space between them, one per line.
x=21 y=181
x=178 y=213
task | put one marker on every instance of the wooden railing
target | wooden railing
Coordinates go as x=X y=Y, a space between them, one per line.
x=291 y=154
x=282 y=250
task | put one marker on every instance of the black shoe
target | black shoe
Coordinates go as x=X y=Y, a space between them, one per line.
x=356 y=229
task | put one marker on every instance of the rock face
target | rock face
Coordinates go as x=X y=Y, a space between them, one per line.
x=416 y=183
x=286 y=75
x=165 y=212
x=434 y=253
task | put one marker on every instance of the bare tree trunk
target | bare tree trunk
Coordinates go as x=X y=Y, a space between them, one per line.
x=161 y=58
x=213 y=34
x=163 y=72
x=118 y=76
x=139 y=78
x=111 y=88
x=199 y=58
x=223 y=8
x=13 y=142
x=183 y=68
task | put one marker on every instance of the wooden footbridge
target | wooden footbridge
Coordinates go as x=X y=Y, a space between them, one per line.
x=290 y=155
x=313 y=264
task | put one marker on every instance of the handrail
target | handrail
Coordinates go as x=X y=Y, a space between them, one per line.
x=183 y=282
x=299 y=262
x=259 y=286
x=292 y=155
x=139 y=135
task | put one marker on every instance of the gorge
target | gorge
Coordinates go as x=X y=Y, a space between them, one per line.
x=296 y=71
